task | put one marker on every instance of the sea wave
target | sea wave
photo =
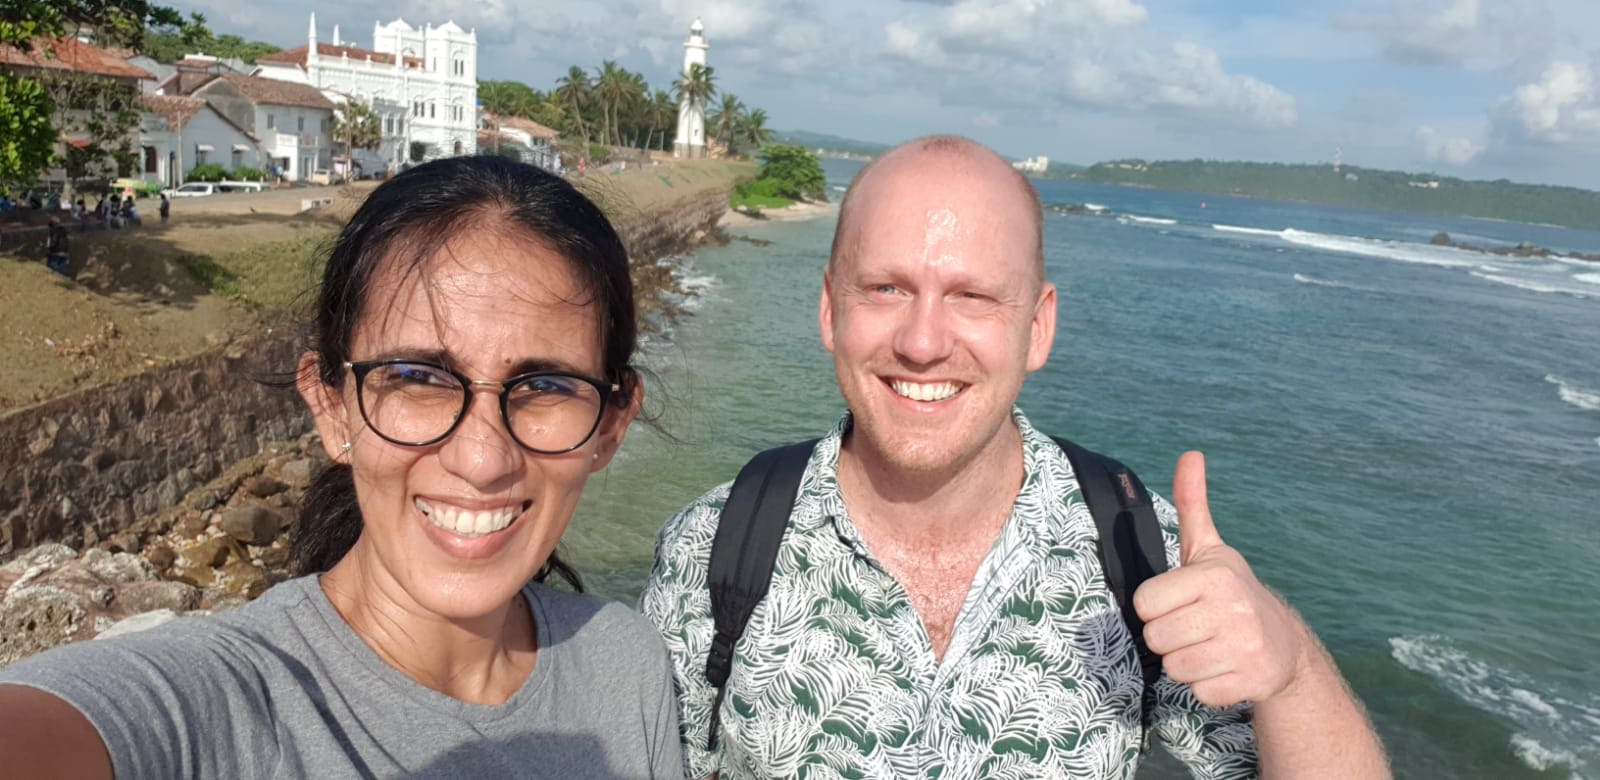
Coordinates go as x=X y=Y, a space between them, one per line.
x=1303 y=279
x=1147 y=220
x=1587 y=278
x=1532 y=285
x=1094 y=207
x=1425 y=254
x=1250 y=231
x=1551 y=729
x=1580 y=397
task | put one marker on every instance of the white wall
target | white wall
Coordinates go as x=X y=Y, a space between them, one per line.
x=210 y=129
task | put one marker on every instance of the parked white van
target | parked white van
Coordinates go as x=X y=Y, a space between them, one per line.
x=194 y=189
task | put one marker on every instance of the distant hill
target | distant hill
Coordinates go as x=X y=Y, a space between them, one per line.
x=835 y=144
x=1366 y=187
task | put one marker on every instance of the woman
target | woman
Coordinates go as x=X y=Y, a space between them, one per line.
x=469 y=371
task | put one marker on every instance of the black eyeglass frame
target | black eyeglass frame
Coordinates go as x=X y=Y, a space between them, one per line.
x=361 y=368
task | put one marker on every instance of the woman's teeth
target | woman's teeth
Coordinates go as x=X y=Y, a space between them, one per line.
x=916 y=391
x=466 y=522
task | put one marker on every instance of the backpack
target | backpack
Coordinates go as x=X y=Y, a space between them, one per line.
x=756 y=514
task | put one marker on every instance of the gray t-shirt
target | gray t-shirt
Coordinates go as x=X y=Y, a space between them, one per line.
x=282 y=687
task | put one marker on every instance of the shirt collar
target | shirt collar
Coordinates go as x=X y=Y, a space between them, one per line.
x=1047 y=480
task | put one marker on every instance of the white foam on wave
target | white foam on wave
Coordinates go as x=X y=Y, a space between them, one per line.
x=1533 y=285
x=1425 y=254
x=1303 y=279
x=1552 y=731
x=1580 y=397
x=1094 y=207
x=1249 y=231
x=1149 y=220
x=1587 y=278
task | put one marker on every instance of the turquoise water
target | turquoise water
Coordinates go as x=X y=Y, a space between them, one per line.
x=1404 y=440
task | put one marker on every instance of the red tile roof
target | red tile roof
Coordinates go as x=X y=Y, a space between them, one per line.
x=73 y=55
x=297 y=55
x=528 y=126
x=273 y=92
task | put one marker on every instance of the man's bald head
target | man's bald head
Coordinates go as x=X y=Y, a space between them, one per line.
x=930 y=155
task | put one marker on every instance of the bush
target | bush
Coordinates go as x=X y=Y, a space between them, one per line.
x=206 y=172
x=243 y=173
x=599 y=153
x=793 y=172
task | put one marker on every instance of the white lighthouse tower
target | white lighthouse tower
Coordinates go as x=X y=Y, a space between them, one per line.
x=691 y=138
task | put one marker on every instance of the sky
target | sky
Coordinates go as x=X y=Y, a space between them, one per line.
x=1480 y=89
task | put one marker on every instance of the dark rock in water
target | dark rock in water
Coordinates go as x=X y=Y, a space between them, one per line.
x=1442 y=238
x=256 y=525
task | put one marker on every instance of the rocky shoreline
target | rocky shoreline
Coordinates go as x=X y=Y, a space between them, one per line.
x=223 y=544
x=184 y=539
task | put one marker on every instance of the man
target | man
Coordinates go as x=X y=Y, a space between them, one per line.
x=937 y=607
x=55 y=247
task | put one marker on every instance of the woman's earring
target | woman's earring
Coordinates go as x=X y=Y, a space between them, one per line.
x=344 y=449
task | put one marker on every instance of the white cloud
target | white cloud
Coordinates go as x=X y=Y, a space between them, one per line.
x=1450 y=150
x=1479 y=34
x=1082 y=52
x=1561 y=108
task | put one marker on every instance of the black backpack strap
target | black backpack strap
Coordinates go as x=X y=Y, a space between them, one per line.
x=744 y=551
x=1131 y=548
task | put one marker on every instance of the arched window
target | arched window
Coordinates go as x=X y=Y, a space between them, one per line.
x=458 y=148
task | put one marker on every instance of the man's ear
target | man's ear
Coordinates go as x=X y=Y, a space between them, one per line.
x=326 y=404
x=825 y=311
x=614 y=425
x=1043 y=329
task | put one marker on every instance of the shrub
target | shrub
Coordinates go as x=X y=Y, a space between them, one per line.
x=793 y=171
x=207 y=172
x=243 y=173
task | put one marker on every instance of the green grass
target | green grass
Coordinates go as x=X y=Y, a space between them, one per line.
x=265 y=277
x=753 y=201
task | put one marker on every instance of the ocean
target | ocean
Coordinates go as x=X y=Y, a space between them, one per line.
x=1403 y=439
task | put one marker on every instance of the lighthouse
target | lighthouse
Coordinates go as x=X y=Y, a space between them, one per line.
x=691 y=138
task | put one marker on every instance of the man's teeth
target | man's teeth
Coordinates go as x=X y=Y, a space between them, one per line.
x=917 y=391
x=465 y=522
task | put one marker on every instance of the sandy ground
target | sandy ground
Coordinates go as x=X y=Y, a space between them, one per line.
x=136 y=301
x=791 y=213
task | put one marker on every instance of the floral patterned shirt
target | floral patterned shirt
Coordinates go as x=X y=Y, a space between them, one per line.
x=835 y=675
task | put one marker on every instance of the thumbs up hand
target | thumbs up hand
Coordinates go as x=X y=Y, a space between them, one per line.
x=1217 y=628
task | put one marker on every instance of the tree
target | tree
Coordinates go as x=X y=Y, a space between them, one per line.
x=724 y=122
x=753 y=130
x=26 y=136
x=793 y=171
x=40 y=107
x=696 y=87
x=574 y=92
x=356 y=126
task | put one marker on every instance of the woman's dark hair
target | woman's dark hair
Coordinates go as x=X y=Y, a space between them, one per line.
x=407 y=220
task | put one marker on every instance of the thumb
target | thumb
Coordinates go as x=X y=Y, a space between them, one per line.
x=1196 y=531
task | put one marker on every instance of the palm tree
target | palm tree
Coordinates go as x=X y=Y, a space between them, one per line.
x=724 y=122
x=696 y=87
x=356 y=126
x=573 y=92
x=612 y=85
x=753 y=130
x=663 y=116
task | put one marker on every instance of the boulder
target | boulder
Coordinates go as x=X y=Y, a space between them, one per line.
x=118 y=567
x=136 y=623
x=158 y=595
x=298 y=472
x=256 y=525
x=35 y=618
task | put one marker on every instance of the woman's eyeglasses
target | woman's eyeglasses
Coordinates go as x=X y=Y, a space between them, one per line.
x=416 y=403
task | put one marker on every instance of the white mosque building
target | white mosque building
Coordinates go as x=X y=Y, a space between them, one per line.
x=691 y=138
x=421 y=82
